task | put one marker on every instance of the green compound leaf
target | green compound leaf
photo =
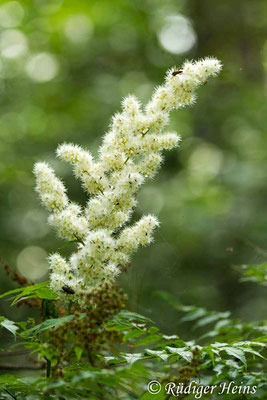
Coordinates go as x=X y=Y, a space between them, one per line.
x=48 y=324
x=41 y=290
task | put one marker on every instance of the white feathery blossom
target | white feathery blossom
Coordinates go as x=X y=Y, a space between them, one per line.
x=69 y=223
x=90 y=173
x=130 y=153
x=140 y=233
x=51 y=190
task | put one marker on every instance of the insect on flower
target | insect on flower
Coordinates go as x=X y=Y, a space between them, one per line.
x=68 y=289
x=177 y=72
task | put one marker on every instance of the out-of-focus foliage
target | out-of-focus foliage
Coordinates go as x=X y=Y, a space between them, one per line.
x=254 y=273
x=105 y=352
x=64 y=66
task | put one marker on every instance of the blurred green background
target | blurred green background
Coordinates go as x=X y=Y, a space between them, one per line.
x=64 y=68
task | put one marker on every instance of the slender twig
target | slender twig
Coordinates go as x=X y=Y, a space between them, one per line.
x=100 y=190
x=126 y=160
x=79 y=239
x=98 y=187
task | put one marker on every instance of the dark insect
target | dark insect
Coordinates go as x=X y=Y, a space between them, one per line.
x=68 y=289
x=177 y=72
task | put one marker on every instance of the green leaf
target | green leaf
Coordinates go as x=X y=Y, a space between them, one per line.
x=78 y=352
x=192 y=316
x=48 y=324
x=11 y=292
x=260 y=344
x=233 y=364
x=254 y=273
x=31 y=291
x=9 y=325
x=153 y=329
x=26 y=290
x=183 y=352
x=22 y=324
x=148 y=339
x=132 y=357
x=213 y=317
x=126 y=320
x=134 y=333
x=210 y=353
x=158 y=353
x=254 y=352
x=112 y=360
x=237 y=353
x=132 y=316
x=46 y=293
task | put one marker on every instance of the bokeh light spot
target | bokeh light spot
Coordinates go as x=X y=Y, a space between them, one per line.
x=42 y=67
x=78 y=28
x=205 y=162
x=13 y=43
x=177 y=34
x=32 y=262
x=33 y=224
x=11 y=14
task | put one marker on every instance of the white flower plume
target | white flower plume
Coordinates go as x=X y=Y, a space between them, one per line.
x=130 y=153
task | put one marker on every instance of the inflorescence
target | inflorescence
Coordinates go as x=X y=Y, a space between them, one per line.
x=130 y=153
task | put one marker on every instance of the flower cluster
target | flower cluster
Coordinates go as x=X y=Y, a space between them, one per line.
x=131 y=152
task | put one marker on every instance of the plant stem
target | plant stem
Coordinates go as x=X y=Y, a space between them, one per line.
x=48 y=368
